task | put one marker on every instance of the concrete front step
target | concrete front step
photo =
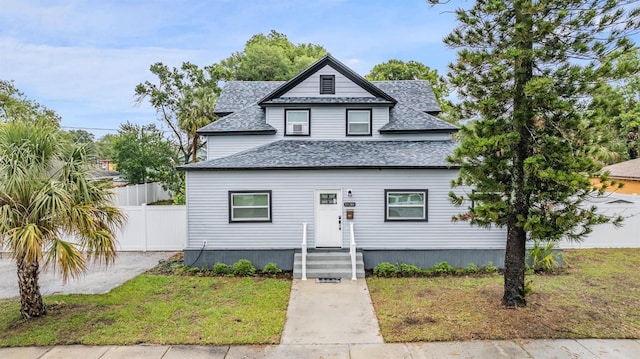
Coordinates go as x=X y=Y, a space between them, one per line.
x=327 y=256
x=315 y=273
x=328 y=265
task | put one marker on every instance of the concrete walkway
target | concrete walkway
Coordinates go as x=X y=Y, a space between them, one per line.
x=330 y=313
x=512 y=349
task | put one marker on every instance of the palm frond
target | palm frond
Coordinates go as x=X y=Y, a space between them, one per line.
x=64 y=257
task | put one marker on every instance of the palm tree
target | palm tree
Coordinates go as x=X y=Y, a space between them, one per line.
x=198 y=113
x=46 y=196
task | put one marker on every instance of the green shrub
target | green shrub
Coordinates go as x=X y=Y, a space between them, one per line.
x=385 y=269
x=443 y=267
x=409 y=270
x=544 y=257
x=471 y=268
x=221 y=269
x=271 y=268
x=243 y=268
x=489 y=268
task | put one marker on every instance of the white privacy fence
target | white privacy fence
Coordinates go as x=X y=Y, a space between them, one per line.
x=607 y=235
x=136 y=195
x=153 y=228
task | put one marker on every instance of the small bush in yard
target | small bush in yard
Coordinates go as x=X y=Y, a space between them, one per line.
x=489 y=268
x=385 y=269
x=544 y=257
x=443 y=267
x=409 y=270
x=271 y=268
x=221 y=269
x=471 y=268
x=243 y=268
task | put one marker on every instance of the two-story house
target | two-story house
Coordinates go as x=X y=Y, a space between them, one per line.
x=336 y=152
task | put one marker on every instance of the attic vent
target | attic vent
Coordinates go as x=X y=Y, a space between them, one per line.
x=327 y=84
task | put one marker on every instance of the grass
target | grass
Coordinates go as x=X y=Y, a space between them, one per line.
x=158 y=309
x=596 y=296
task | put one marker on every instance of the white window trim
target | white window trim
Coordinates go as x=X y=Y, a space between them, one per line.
x=232 y=219
x=424 y=206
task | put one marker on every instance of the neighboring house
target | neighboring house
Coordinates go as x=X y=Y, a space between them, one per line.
x=330 y=149
x=627 y=172
x=106 y=165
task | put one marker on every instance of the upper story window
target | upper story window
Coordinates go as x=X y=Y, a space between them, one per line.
x=297 y=122
x=358 y=122
x=327 y=84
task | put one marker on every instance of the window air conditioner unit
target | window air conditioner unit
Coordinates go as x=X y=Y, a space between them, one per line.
x=298 y=128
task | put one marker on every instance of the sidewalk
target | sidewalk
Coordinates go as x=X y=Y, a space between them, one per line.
x=536 y=349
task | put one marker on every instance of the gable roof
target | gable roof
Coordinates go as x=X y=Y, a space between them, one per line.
x=412 y=103
x=624 y=170
x=311 y=154
x=338 y=66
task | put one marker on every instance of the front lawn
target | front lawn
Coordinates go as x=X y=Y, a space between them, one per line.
x=597 y=296
x=158 y=309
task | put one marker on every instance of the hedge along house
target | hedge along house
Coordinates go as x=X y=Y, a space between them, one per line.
x=340 y=154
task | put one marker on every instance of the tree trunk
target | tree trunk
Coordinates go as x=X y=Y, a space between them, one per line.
x=514 y=294
x=514 y=268
x=31 y=304
x=195 y=148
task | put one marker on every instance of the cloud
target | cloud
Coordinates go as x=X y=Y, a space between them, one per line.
x=86 y=81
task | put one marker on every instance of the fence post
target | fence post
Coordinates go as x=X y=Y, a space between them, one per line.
x=146 y=228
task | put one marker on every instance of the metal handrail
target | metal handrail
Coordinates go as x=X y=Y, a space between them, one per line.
x=352 y=252
x=304 y=251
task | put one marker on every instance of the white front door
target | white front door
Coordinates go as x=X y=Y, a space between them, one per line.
x=328 y=224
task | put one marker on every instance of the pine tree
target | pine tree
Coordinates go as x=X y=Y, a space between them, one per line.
x=525 y=71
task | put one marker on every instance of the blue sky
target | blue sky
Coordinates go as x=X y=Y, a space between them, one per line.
x=84 y=58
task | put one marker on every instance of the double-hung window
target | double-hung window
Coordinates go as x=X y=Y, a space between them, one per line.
x=297 y=122
x=359 y=122
x=249 y=206
x=405 y=205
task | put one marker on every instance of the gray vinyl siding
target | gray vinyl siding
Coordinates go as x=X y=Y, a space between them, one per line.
x=223 y=146
x=329 y=123
x=293 y=204
x=310 y=87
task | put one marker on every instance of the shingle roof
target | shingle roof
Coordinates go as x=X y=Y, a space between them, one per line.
x=627 y=169
x=403 y=118
x=415 y=93
x=326 y=100
x=311 y=154
x=414 y=99
x=247 y=120
x=239 y=94
x=327 y=60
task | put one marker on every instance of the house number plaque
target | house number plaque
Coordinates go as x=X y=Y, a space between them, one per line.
x=349 y=204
